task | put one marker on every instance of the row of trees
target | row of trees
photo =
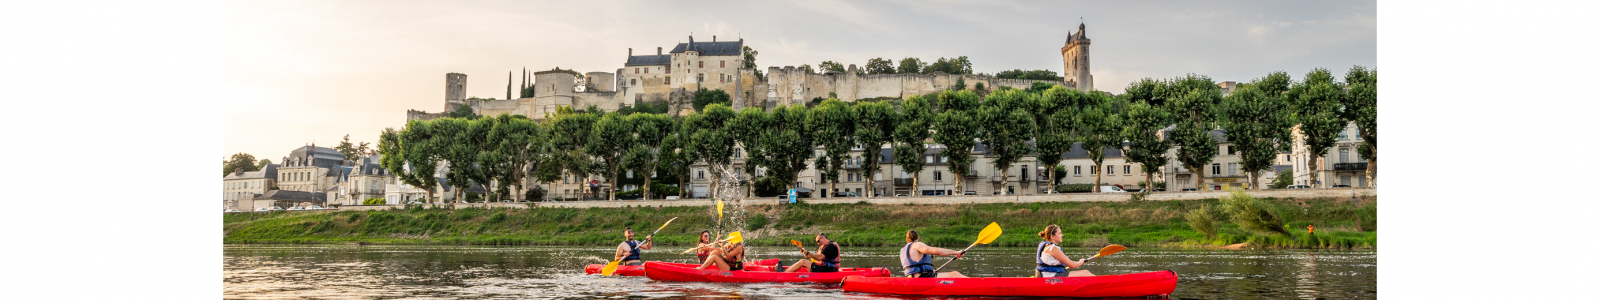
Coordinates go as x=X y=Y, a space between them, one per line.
x=1146 y=121
x=910 y=65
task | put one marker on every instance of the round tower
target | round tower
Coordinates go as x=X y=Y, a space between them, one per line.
x=1075 y=60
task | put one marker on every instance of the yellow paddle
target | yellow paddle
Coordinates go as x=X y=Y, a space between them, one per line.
x=733 y=237
x=987 y=235
x=802 y=249
x=1108 y=251
x=612 y=267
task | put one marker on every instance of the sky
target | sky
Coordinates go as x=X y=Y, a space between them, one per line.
x=301 y=72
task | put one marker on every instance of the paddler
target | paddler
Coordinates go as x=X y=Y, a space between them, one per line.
x=628 y=251
x=704 y=247
x=729 y=258
x=923 y=267
x=826 y=259
x=1051 y=262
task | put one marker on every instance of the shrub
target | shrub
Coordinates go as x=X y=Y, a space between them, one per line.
x=534 y=194
x=756 y=222
x=1074 y=188
x=373 y=201
x=1282 y=180
x=497 y=217
x=1202 y=220
x=1251 y=214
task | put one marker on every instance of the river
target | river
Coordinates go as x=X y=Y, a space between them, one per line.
x=482 y=272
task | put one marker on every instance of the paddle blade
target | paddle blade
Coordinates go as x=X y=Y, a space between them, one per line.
x=719 y=209
x=610 y=268
x=664 y=226
x=989 y=233
x=1112 y=249
x=797 y=244
x=735 y=237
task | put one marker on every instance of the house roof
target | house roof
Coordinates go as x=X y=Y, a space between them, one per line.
x=1282 y=168
x=1078 y=152
x=315 y=156
x=269 y=171
x=711 y=48
x=649 y=60
x=293 y=196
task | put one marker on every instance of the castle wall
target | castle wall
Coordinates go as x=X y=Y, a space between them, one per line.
x=608 y=101
x=789 y=86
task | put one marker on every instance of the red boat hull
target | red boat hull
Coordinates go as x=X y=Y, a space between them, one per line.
x=672 y=272
x=756 y=265
x=1159 y=283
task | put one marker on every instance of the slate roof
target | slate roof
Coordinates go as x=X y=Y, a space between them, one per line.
x=293 y=196
x=1079 y=152
x=649 y=60
x=317 y=156
x=711 y=48
x=1282 y=168
x=270 y=171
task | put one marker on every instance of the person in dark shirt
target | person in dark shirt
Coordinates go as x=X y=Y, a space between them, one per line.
x=826 y=259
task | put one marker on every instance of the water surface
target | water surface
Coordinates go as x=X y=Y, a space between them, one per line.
x=483 y=272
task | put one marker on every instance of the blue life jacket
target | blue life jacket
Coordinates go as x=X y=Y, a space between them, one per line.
x=633 y=251
x=831 y=263
x=1038 y=257
x=925 y=264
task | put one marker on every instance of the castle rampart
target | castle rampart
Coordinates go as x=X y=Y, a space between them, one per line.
x=789 y=86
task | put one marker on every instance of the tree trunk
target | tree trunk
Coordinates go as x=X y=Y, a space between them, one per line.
x=1149 y=184
x=1004 y=180
x=716 y=183
x=1315 y=168
x=1199 y=177
x=1254 y=179
x=1372 y=172
x=646 y=192
x=914 y=179
x=1096 y=188
x=613 y=193
x=1052 y=189
x=866 y=186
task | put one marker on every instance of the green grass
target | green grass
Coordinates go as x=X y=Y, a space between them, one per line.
x=1339 y=224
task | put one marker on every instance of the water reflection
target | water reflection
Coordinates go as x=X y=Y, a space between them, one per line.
x=366 y=272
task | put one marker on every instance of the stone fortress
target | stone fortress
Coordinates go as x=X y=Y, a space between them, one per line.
x=673 y=77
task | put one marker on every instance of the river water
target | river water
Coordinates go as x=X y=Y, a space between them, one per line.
x=482 y=272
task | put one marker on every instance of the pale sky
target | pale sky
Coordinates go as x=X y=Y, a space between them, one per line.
x=303 y=71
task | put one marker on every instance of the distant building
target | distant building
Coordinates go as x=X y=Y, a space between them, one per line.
x=287 y=199
x=1341 y=165
x=310 y=169
x=240 y=187
x=367 y=179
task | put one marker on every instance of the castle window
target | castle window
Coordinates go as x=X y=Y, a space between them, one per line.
x=668 y=80
x=722 y=64
x=636 y=70
x=633 y=82
x=702 y=64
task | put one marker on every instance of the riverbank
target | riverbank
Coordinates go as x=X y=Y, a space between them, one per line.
x=1340 y=223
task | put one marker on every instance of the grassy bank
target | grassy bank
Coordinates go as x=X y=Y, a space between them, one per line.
x=1339 y=224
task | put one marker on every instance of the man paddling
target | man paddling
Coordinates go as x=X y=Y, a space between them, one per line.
x=628 y=251
x=923 y=265
x=826 y=259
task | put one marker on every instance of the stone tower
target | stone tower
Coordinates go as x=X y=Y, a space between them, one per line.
x=455 y=88
x=1075 y=60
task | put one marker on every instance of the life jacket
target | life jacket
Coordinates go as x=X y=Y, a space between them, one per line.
x=831 y=263
x=924 y=264
x=633 y=251
x=1038 y=258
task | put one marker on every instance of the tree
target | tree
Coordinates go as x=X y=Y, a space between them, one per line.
x=828 y=65
x=650 y=131
x=1007 y=128
x=958 y=66
x=750 y=63
x=1258 y=126
x=705 y=97
x=455 y=140
x=961 y=84
x=788 y=143
x=609 y=142
x=911 y=65
x=711 y=140
x=1315 y=102
x=569 y=135
x=880 y=66
x=352 y=152
x=1028 y=74
x=239 y=162
x=875 y=126
x=518 y=140
x=263 y=164
x=675 y=156
x=957 y=129
x=1053 y=116
x=463 y=111
x=807 y=68
x=1361 y=106
x=1099 y=128
x=410 y=155
x=747 y=128
x=832 y=122
x=1195 y=115
x=911 y=136
x=1142 y=125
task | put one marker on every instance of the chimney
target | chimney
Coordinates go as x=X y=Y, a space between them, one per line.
x=713 y=38
x=658 y=51
x=630 y=52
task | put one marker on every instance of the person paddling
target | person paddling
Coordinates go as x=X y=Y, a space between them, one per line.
x=628 y=251
x=923 y=265
x=729 y=258
x=704 y=247
x=825 y=260
x=1051 y=262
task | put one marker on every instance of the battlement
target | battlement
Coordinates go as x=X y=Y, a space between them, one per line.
x=789 y=86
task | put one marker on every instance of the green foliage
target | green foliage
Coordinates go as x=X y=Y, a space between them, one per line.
x=263 y=163
x=750 y=59
x=756 y=222
x=787 y=143
x=830 y=66
x=1074 y=188
x=1141 y=124
x=1258 y=126
x=1028 y=74
x=910 y=135
x=807 y=69
x=410 y=155
x=1098 y=128
x=534 y=194
x=351 y=151
x=1203 y=220
x=703 y=97
x=1007 y=127
x=241 y=162
x=880 y=66
x=613 y=137
x=1252 y=214
x=1282 y=180
x=832 y=123
x=959 y=66
x=373 y=201
x=1315 y=105
x=956 y=127
x=961 y=84
x=1195 y=116
x=875 y=126
x=911 y=65
x=1361 y=106
x=1053 y=115
x=463 y=111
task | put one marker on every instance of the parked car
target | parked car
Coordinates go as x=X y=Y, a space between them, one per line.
x=1111 y=189
x=233 y=210
x=314 y=207
x=970 y=193
x=1300 y=186
x=1189 y=189
x=844 y=194
x=672 y=198
x=274 y=208
x=1341 y=185
x=901 y=195
x=413 y=203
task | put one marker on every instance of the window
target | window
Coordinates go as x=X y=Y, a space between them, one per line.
x=647 y=70
x=1077 y=170
x=1094 y=170
x=669 y=69
x=1111 y=170
x=1024 y=171
x=636 y=70
x=633 y=82
x=938 y=176
x=877 y=176
x=1127 y=169
x=1216 y=169
x=1230 y=149
x=668 y=80
x=1233 y=169
x=735 y=153
x=944 y=159
x=1344 y=155
x=701 y=77
x=702 y=64
x=930 y=159
x=722 y=64
x=630 y=174
x=700 y=175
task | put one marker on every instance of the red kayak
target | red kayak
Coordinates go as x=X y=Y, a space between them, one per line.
x=673 y=272
x=756 y=265
x=1158 y=283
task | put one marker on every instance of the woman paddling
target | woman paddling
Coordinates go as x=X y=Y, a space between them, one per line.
x=729 y=258
x=923 y=266
x=825 y=260
x=704 y=247
x=628 y=251
x=1051 y=262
